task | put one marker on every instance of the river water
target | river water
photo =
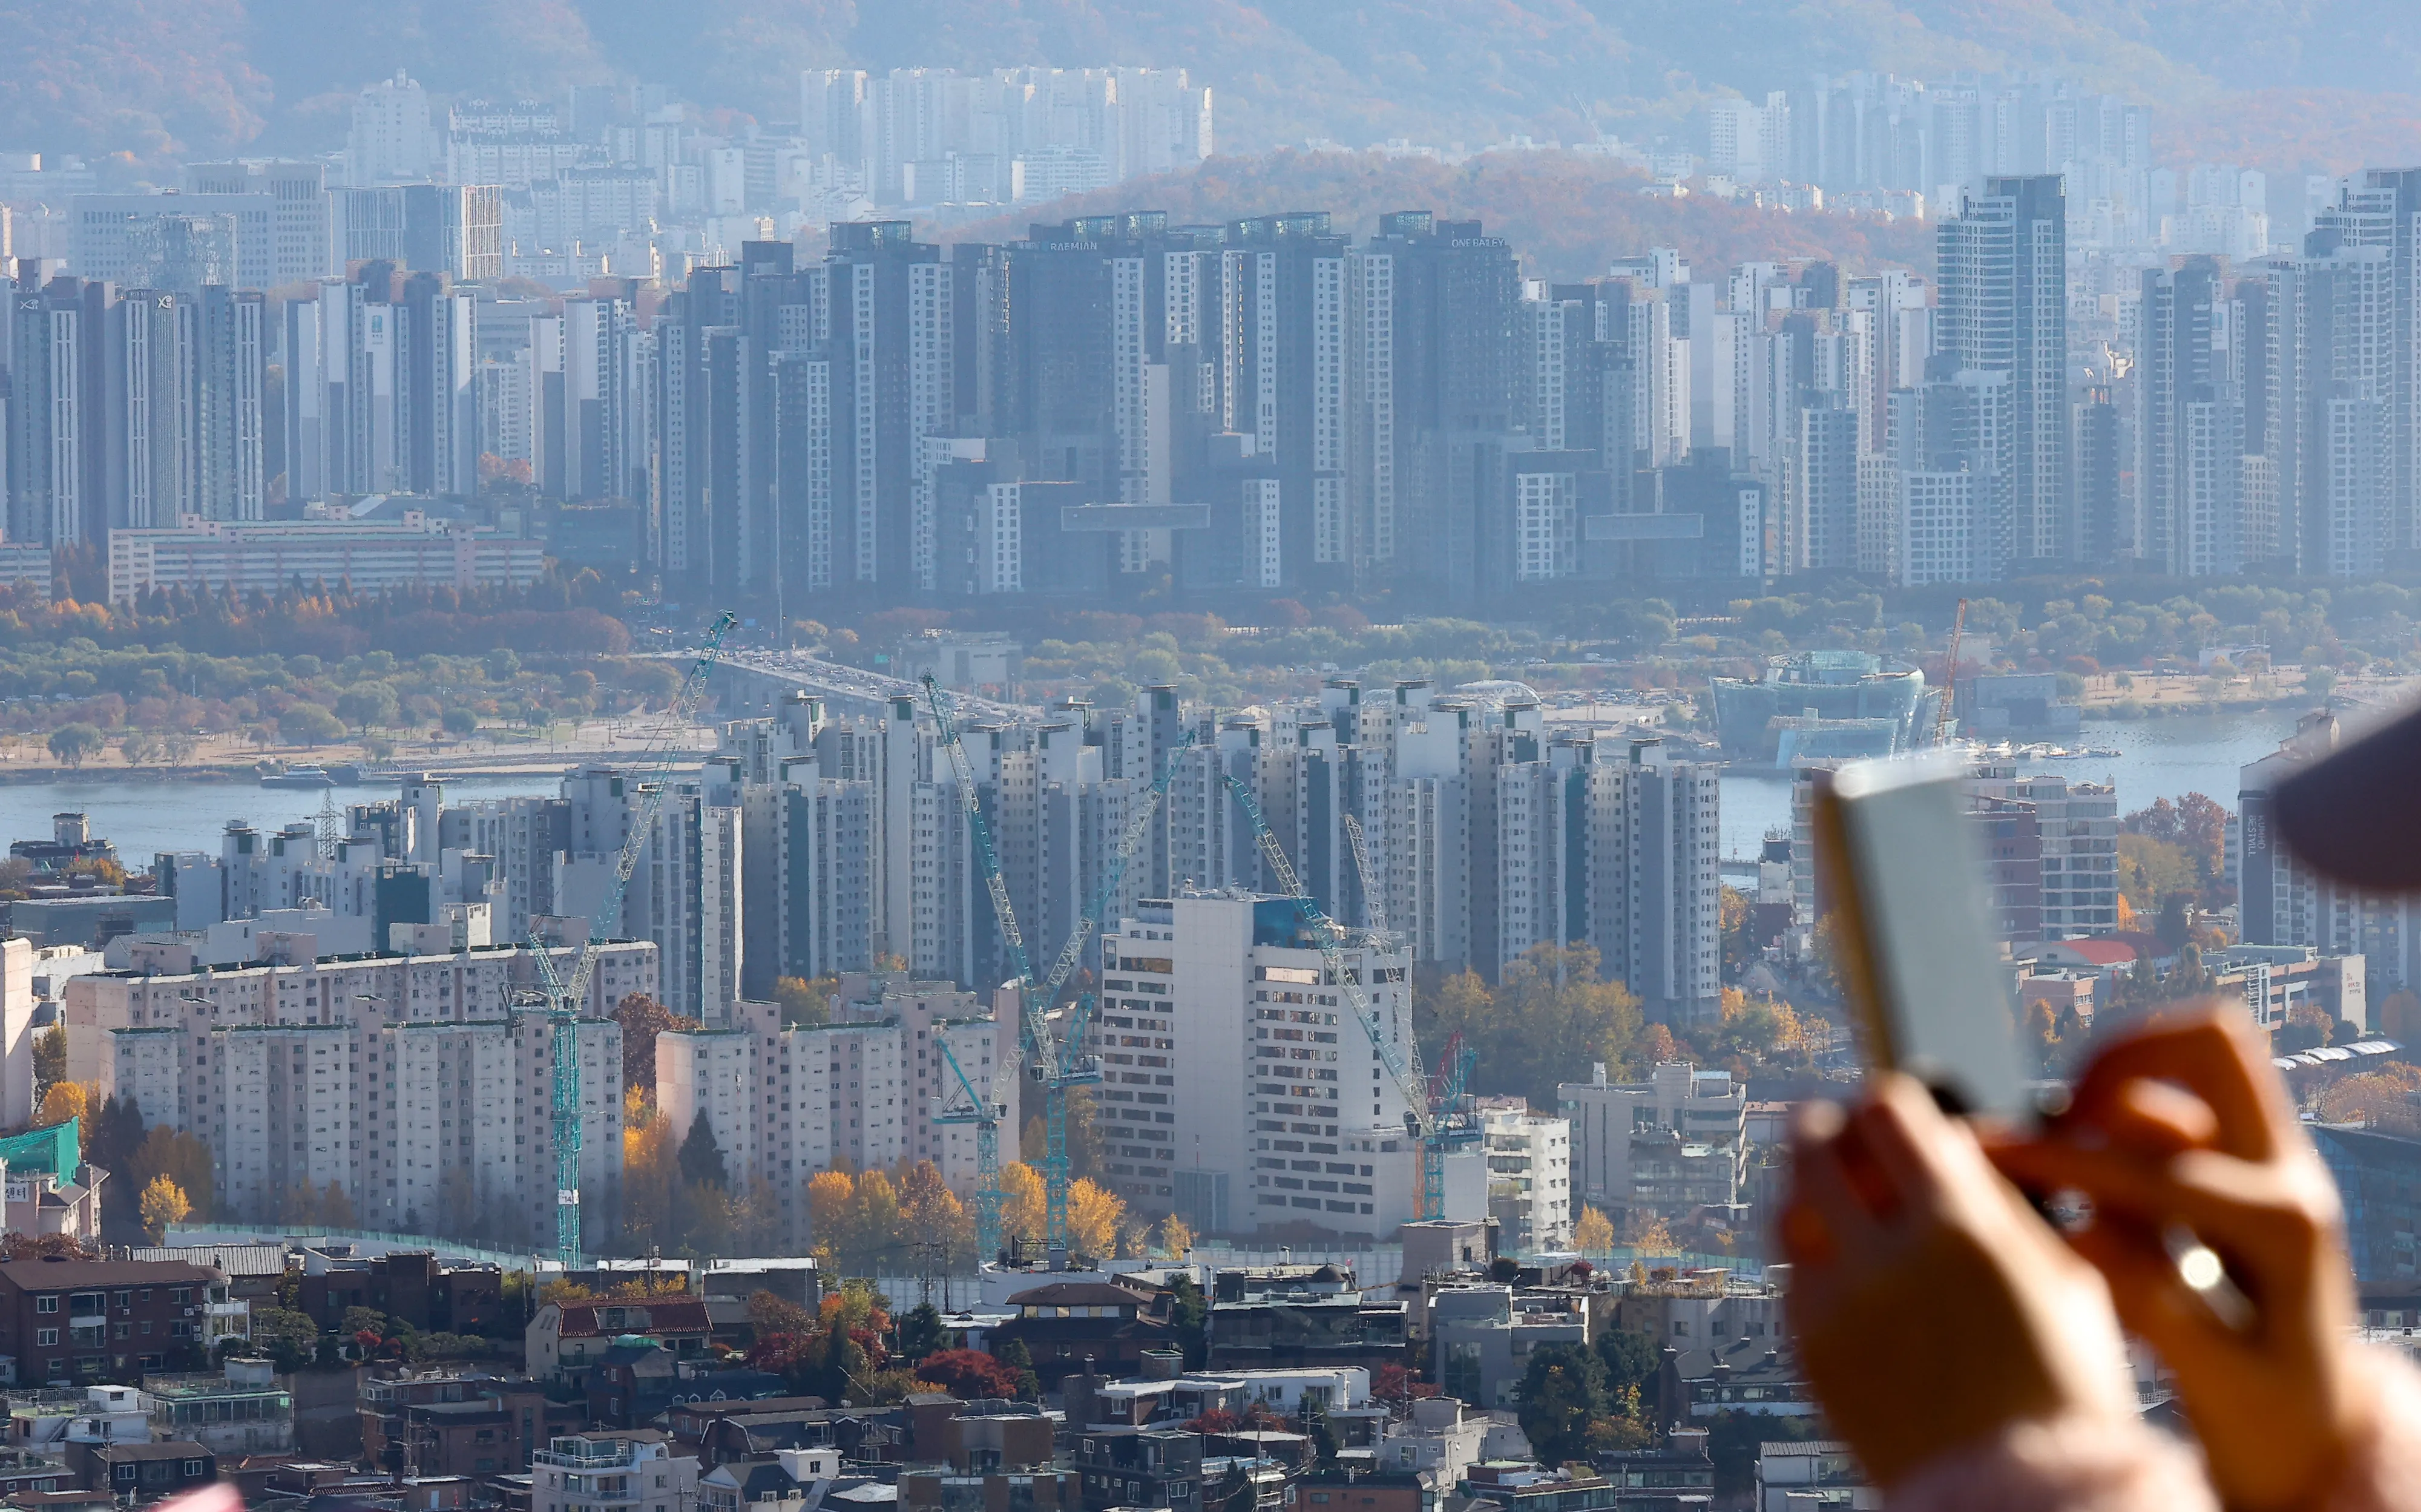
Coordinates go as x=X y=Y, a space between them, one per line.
x=146 y=818
x=2160 y=757
x=2156 y=758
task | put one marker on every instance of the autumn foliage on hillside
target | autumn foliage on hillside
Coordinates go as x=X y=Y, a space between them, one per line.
x=554 y=618
x=1565 y=215
x=136 y=85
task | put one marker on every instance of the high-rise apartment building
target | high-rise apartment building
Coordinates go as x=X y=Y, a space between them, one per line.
x=2381 y=208
x=297 y=243
x=382 y=386
x=57 y=465
x=924 y=135
x=453 y=229
x=2284 y=902
x=391 y=140
x=785 y=1100
x=1237 y=1090
x=2190 y=428
x=2003 y=270
x=413 y=1083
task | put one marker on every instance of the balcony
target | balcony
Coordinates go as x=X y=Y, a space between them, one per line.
x=584 y=1454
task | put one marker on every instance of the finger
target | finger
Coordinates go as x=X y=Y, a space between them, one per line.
x=2159 y=1118
x=1806 y=1239
x=2209 y=1056
x=1817 y=1121
x=1907 y=1139
x=1821 y=1182
x=2239 y=1208
x=2153 y=1299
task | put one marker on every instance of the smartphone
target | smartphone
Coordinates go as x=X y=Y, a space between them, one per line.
x=1903 y=870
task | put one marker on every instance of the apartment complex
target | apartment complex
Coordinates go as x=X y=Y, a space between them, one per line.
x=412 y=1085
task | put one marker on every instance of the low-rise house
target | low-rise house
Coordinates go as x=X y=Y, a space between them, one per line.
x=71 y=1320
x=1139 y=1467
x=1343 y=1488
x=1481 y=1337
x=1036 y=1488
x=1106 y=1326
x=240 y=1409
x=253 y=1272
x=1160 y=1401
x=861 y=1434
x=149 y=1470
x=57 y=1419
x=566 y=1338
x=1439 y=1435
x=1529 y=1173
x=1702 y=1309
x=1276 y=1446
x=1260 y=1319
x=410 y=1286
x=789 y=1480
x=631 y=1472
x=31 y=1469
x=1811 y=1472
x=458 y=1419
x=1680 y=1470
x=1525 y=1487
x=691 y=1421
x=979 y=1436
x=1737 y=1376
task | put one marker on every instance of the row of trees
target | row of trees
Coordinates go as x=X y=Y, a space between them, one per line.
x=1552 y=1013
x=157 y=1175
x=155 y=703
x=2079 y=625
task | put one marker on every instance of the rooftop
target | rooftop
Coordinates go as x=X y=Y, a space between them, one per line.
x=52 y=1274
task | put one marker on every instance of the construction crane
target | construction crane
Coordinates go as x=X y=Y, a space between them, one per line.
x=1450 y=1088
x=1058 y=1060
x=1033 y=1036
x=1943 y=721
x=562 y=997
x=1073 y=1067
x=1328 y=938
x=1374 y=904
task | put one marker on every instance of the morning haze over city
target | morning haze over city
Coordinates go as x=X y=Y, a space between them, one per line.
x=1039 y=758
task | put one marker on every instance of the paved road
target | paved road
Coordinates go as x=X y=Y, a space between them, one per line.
x=852 y=685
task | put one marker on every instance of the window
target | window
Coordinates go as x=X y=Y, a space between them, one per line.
x=46 y=1335
x=47 y=1303
x=192 y=1469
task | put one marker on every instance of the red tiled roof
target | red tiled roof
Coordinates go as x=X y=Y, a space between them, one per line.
x=2101 y=952
x=580 y=1318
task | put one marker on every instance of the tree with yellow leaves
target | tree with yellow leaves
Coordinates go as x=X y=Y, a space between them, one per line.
x=930 y=1215
x=2379 y=1099
x=1093 y=1214
x=830 y=1194
x=1173 y=1240
x=872 y=1225
x=650 y=1171
x=164 y=1203
x=1650 y=1236
x=1594 y=1233
x=65 y=1101
x=1023 y=1204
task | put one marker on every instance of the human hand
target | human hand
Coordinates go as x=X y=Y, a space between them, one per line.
x=2185 y=1123
x=1932 y=1307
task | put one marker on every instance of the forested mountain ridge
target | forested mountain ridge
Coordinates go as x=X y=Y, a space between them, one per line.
x=149 y=80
